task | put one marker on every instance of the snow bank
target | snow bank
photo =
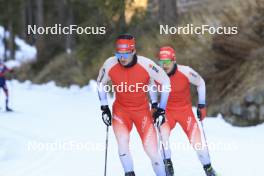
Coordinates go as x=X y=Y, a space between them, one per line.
x=23 y=54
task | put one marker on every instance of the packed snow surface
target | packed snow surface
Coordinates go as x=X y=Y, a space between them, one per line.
x=59 y=132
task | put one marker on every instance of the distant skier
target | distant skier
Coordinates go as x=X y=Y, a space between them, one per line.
x=3 y=71
x=179 y=107
x=131 y=106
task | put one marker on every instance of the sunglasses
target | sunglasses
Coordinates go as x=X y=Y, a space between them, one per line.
x=123 y=55
x=165 y=62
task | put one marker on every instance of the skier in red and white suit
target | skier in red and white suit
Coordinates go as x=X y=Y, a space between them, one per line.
x=131 y=105
x=179 y=108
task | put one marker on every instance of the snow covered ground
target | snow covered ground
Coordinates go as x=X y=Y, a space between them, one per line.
x=58 y=131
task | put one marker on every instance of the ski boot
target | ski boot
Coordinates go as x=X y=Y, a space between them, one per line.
x=132 y=173
x=8 y=109
x=168 y=167
x=209 y=171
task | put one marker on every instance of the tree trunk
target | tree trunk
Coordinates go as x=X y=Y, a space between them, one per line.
x=5 y=44
x=122 y=19
x=69 y=38
x=29 y=20
x=23 y=14
x=10 y=28
x=153 y=9
x=61 y=8
x=168 y=12
x=40 y=22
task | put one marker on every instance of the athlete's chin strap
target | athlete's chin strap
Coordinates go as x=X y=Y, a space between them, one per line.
x=172 y=72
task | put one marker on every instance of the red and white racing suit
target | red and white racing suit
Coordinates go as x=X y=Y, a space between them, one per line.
x=179 y=110
x=131 y=106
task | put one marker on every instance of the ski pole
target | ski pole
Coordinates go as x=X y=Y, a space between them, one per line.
x=163 y=150
x=106 y=149
x=205 y=139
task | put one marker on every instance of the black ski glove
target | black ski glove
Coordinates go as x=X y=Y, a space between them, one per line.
x=154 y=106
x=159 y=117
x=201 y=111
x=106 y=115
